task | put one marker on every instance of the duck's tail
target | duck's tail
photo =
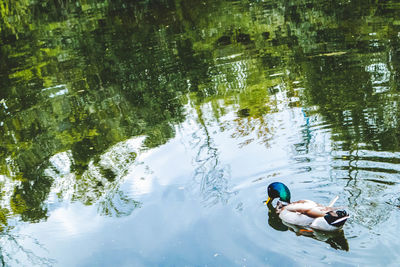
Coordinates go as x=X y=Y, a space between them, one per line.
x=339 y=218
x=333 y=201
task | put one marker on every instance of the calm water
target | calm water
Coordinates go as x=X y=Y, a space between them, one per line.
x=146 y=133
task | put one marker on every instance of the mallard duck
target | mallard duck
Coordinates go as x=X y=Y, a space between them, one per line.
x=306 y=213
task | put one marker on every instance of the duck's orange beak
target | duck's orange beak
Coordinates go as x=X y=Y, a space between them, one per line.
x=267 y=201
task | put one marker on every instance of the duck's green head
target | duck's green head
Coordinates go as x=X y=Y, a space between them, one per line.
x=280 y=190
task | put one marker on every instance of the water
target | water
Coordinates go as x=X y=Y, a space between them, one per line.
x=146 y=133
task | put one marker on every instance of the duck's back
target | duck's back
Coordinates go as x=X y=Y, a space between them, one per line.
x=302 y=212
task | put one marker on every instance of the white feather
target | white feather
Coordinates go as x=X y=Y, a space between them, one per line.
x=295 y=218
x=333 y=201
x=321 y=224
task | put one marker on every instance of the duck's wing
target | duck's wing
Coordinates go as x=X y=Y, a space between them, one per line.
x=308 y=208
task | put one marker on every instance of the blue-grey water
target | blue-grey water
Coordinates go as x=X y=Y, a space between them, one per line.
x=145 y=133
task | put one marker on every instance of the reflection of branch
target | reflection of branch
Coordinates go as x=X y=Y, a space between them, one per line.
x=213 y=182
x=9 y=242
x=360 y=192
x=251 y=125
x=113 y=201
x=306 y=133
x=117 y=204
x=104 y=190
x=2 y=258
x=354 y=187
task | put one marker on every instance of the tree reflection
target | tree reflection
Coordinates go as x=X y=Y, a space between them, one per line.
x=353 y=101
x=66 y=104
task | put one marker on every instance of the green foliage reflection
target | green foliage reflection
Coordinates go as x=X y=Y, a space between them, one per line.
x=80 y=78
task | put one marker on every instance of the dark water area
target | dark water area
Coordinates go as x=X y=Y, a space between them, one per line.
x=145 y=133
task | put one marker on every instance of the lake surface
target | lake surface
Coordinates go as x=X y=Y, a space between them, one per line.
x=145 y=133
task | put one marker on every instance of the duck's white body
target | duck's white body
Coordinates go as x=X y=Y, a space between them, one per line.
x=321 y=224
x=306 y=213
x=295 y=218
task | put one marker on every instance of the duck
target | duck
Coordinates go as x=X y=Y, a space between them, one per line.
x=306 y=213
